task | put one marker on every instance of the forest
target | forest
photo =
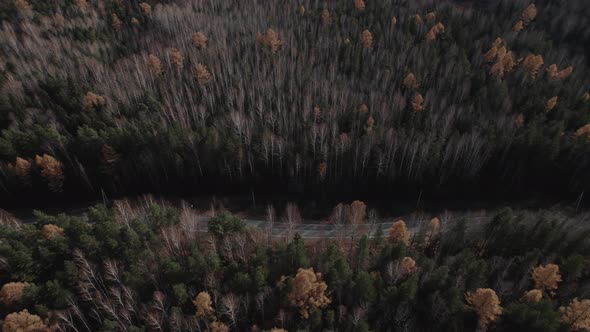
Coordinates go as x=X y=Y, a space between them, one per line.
x=150 y=267
x=399 y=97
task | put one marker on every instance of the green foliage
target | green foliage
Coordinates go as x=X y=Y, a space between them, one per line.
x=225 y=223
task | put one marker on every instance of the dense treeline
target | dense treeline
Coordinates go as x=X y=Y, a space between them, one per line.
x=122 y=96
x=150 y=268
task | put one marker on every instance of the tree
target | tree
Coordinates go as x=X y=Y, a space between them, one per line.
x=269 y=39
x=50 y=231
x=529 y=14
x=203 y=305
x=398 y=233
x=52 y=171
x=22 y=168
x=486 y=304
x=546 y=277
x=308 y=292
x=12 y=292
x=93 y=101
x=576 y=315
x=225 y=223
x=200 y=40
x=359 y=4
x=146 y=8
x=154 y=65
x=410 y=81
x=367 y=39
x=202 y=74
x=23 y=322
x=533 y=296
x=408 y=266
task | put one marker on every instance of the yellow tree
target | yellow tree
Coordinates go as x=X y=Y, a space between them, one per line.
x=358 y=212
x=367 y=39
x=52 y=171
x=546 y=277
x=23 y=322
x=399 y=233
x=270 y=39
x=50 y=231
x=532 y=64
x=202 y=74
x=22 y=168
x=308 y=292
x=486 y=304
x=199 y=40
x=359 y=4
x=418 y=103
x=12 y=292
x=410 y=81
x=532 y=296
x=92 y=100
x=154 y=65
x=116 y=22
x=203 y=305
x=576 y=315
x=176 y=58
x=529 y=14
x=583 y=131
x=146 y=8
x=218 y=326
x=407 y=265
x=551 y=103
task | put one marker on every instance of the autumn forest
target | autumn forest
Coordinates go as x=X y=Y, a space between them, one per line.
x=345 y=103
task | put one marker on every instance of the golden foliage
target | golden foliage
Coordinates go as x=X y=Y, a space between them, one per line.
x=23 y=6
x=326 y=17
x=92 y=100
x=394 y=20
x=301 y=10
x=22 y=168
x=561 y=74
x=218 y=327
x=176 y=58
x=358 y=212
x=586 y=96
x=546 y=277
x=518 y=26
x=410 y=81
x=134 y=21
x=50 y=231
x=363 y=109
x=533 y=296
x=116 y=22
x=576 y=315
x=529 y=14
x=418 y=103
x=408 y=265
x=154 y=65
x=399 y=233
x=583 y=131
x=551 y=103
x=276 y=329
x=359 y=4
x=532 y=64
x=308 y=291
x=146 y=8
x=52 y=171
x=434 y=31
x=203 y=305
x=82 y=4
x=199 y=40
x=486 y=304
x=367 y=39
x=322 y=169
x=23 y=322
x=434 y=228
x=202 y=74
x=430 y=16
x=12 y=292
x=269 y=39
